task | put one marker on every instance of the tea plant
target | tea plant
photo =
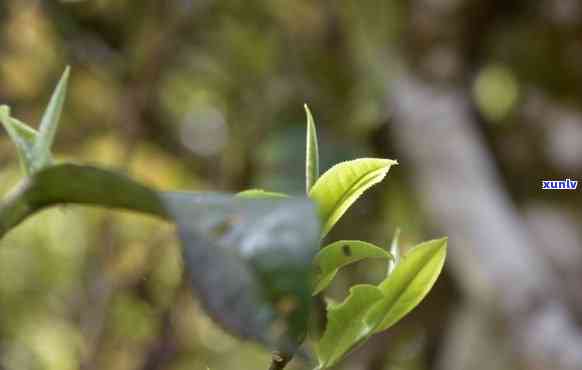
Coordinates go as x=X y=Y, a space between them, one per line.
x=263 y=247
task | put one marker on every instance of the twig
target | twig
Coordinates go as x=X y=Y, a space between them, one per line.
x=279 y=360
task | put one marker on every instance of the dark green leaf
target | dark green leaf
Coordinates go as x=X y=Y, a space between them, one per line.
x=250 y=261
x=70 y=183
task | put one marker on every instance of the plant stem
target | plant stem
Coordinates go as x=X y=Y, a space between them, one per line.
x=70 y=183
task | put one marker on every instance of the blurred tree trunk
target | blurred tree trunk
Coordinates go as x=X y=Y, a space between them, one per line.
x=512 y=293
x=492 y=256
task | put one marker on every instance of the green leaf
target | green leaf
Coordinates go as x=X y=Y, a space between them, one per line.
x=311 y=153
x=34 y=147
x=337 y=189
x=21 y=130
x=49 y=124
x=22 y=136
x=395 y=252
x=250 y=262
x=408 y=284
x=70 y=183
x=260 y=193
x=25 y=132
x=339 y=254
x=346 y=326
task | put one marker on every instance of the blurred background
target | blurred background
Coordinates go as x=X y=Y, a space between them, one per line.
x=478 y=100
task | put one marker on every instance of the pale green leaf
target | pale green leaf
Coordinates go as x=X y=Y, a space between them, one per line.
x=22 y=130
x=311 y=152
x=260 y=193
x=337 y=189
x=339 y=254
x=395 y=252
x=408 y=284
x=49 y=124
x=22 y=136
x=346 y=325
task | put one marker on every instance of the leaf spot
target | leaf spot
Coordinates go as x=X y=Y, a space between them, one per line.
x=347 y=251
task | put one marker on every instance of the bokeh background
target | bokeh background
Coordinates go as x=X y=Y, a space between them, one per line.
x=478 y=100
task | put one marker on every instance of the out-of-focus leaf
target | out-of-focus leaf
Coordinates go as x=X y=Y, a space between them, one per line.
x=21 y=135
x=395 y=252
x=408 y=284
x=346 y=325
x=337 y=189
x=260 y=193
x=311 y=152
x=339 y=254
x=49 y=124
x=250 y=261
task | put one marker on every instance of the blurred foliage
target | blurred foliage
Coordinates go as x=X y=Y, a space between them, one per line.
x=202 y=95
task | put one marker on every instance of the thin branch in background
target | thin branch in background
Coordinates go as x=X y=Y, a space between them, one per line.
x=279 y=360
x=164 y=347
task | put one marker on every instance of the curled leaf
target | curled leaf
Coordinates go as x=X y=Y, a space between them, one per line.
x=337 y=189
x=339 y=254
